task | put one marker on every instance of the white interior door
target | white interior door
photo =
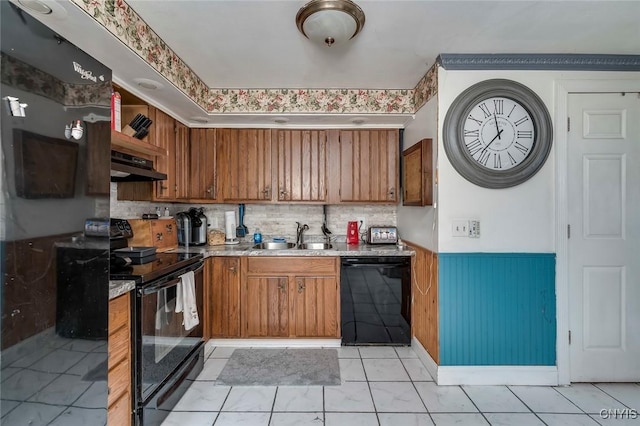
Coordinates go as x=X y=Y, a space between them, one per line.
x=604 y=244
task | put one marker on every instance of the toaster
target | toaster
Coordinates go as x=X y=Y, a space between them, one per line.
x=382 y=235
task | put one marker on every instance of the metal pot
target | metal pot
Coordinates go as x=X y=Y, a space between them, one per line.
x=198 y=226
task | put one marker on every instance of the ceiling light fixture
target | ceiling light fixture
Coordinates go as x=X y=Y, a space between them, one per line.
x=330 y=21
x=36 y=6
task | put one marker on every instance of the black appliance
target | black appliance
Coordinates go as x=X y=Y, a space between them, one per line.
x=375 y=300
x=55 y=113
x=129 y=168
x=198 y=226
x=167 y=357
x=82 y=287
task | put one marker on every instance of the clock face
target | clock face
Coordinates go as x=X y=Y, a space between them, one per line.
x=498 y=133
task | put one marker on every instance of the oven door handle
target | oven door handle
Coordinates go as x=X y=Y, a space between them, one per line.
x=161 y=286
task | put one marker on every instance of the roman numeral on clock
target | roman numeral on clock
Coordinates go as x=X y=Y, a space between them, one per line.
x=524 y=134
x=485 y=110
x=512 y=160
x=521 y=148
x=484 y=157
x=498 y=106
x=522 y=120
x=472 y=133
x=474 y=146
x=497 y=161
x=475 y=119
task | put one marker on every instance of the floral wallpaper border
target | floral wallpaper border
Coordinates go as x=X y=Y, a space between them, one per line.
x=124 y=23
x=21 y=75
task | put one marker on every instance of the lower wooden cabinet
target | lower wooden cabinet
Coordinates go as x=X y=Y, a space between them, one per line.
x=290 y=297
x=222 y=293
x=119 y=400
x=254 y=297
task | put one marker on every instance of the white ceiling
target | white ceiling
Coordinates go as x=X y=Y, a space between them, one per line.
x=255 y=44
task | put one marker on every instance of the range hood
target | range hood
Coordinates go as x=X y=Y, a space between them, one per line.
x=125 y=173
x=128 y=168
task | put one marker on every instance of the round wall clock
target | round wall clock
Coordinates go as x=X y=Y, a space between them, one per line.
x=497 y=133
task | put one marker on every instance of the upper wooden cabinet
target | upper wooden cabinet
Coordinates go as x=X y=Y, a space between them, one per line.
x=202 y=170
x=301 y=165
x=245 y=164
x=162 y=133
x=417 y=174
x=369 y=162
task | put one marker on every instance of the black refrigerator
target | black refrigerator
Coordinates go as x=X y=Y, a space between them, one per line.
x=55 y=114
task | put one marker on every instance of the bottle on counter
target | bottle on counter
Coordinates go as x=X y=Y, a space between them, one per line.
x=158 y=211
x=166 y=212
x=257 y=236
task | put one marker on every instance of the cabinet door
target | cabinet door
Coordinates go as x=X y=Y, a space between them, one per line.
x=163 y=134
x=314 y=307
x=417 y=181
x=301 y=165
x=245 y=163
x=182 y=162
x=369 y=165
x=223 y=297
x=202 y=176
x=265 y=307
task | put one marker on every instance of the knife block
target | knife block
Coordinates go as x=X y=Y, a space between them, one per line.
x=159 y=233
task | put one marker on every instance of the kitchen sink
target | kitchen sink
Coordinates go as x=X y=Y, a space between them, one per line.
x=274 y=246
x=316 y=246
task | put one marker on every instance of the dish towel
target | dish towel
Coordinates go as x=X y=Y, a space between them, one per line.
x=186 y=300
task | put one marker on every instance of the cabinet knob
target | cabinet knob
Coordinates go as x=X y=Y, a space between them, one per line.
x=233 y=269
x=301 y=286
x=209 y=190
x=283 y=193
x=282 y=285
x=266 y=192
x=392 y=193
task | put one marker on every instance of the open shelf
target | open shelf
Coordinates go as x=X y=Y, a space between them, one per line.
x=123 y=141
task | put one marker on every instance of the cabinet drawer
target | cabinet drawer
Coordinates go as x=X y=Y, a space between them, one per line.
x=118 y=312
x=292 y=265
x=119 y=343
x=119 y=380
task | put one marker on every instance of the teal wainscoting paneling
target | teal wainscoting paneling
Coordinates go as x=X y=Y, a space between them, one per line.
x=497 y=308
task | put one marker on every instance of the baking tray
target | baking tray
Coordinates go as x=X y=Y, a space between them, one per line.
x=135 y=251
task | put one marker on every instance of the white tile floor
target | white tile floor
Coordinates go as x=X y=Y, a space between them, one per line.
x=41 y=382
x=380 y=386
x=389 y=387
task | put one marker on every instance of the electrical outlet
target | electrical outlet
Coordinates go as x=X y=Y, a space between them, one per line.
x=474 y=229
x=460 y=228
x=362 y=224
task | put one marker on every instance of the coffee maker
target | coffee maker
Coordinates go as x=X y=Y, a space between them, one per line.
x=183 y=220
x=353 y=235
x=198 y=226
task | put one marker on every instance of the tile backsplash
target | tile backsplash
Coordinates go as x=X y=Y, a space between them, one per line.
x=271 y=219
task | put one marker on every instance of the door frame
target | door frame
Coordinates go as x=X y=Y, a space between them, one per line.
x=623 y=82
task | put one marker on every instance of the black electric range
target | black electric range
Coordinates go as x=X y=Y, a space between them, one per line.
x=163 y=264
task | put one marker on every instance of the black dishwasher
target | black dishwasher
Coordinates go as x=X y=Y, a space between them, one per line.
x=375 y=300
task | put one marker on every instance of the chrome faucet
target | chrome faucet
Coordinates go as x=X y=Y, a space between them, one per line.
x=300 y=233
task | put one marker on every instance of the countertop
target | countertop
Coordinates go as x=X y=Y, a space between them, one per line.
x=118 y=287
x=339 y=249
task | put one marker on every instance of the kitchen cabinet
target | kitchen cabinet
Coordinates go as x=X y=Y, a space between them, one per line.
x=265 y=306
x=245 y=164
x=202 y=170
x=417 y=174
x=222 y=293
x=182 y=162
x=162 y=133
x=301 y=165
x=119 y=399
x=369 y=163
x=290 y=297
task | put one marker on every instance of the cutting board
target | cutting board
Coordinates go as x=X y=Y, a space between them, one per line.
x=159 y=233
